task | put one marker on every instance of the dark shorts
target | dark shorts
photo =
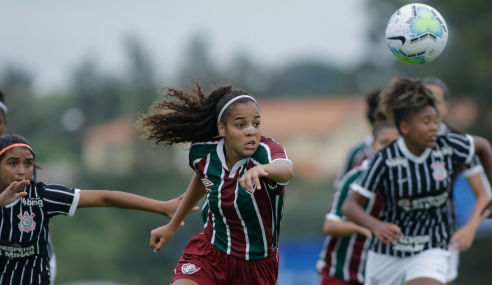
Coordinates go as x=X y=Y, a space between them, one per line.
x=206 y=265
x=326 y=279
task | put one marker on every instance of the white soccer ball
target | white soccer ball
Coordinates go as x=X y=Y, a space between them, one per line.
x=416 y=33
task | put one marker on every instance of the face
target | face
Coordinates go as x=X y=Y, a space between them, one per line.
x=384 y=138
x=422 y=127
x=242 y=131
x=17 y=165
x=441 y=104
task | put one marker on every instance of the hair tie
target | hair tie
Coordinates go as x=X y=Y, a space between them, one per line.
x=230 y=102
x=3 y=107
x=16 y=145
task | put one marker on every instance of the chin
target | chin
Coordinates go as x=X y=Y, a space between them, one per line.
x=431 y=144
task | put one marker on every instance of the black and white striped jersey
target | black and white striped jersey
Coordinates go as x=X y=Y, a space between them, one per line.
x=24 y=257
x=416 y=191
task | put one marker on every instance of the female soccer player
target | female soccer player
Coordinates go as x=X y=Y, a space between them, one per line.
x=241 y=173
x=26 y=209
x=464 y=236
x=343 y=258
x=414 y=175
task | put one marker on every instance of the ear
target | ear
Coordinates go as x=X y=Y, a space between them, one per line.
x=221 y=127
x=404 y=127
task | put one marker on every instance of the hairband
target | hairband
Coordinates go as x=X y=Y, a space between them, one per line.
x=230 y=102
x=15 y=145
x=3 y=107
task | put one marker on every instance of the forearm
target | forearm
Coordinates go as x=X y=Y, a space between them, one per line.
x=484 y=153
x=280 y=171
x=352 y=209
x=117 y=199
x=341 y=228
x=193 y=195
x=476 y=184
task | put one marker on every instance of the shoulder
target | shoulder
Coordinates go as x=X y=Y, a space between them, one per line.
x=353 y=174
x=270 y=150
x=203 y=148
x=456 y=139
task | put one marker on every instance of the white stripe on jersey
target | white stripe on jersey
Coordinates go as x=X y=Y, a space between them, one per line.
x=61 y=192
x=222 y=213
x=261 y=223
x=55 y=202
x=241 y=218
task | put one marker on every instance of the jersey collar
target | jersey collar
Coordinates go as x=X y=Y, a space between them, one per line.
x=221 y=155
x=411 y=156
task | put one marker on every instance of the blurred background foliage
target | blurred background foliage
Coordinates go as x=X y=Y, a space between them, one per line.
x=112 y=244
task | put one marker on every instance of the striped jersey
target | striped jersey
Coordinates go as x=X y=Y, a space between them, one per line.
x=24 y=257
x=358 y=152
x=240 y=224
x=416 y=191
x=345 y=257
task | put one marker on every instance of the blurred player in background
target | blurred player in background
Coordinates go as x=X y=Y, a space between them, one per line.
x=27 y=207
x=241 y=173
x=414 y=174
x=465 y=235
x=343 y=258
x=360 y=150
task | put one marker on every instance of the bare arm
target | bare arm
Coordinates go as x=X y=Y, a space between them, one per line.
x=484 y=151
x=280 y=171
x=344 y=229
x=123 y=200
x=160 y=236
x=463 y=238
x=352 y=208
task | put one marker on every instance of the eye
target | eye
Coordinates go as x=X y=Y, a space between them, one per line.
x=13 y=163
x=257 y=124
x=240 y=125
x=28 y=164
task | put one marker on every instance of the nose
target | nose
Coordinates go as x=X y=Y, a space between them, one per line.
x=250 y=131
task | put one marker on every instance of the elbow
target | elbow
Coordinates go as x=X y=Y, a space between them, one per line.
x=327 y=229
x=346 y=207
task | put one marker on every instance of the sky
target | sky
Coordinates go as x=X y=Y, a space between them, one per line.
x=49 y=38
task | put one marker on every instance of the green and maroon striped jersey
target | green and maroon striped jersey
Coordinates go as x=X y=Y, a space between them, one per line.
x=240 y=224
x=345 y=257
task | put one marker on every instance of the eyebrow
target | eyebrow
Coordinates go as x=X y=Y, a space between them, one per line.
x=244 y=118
x=15 y=157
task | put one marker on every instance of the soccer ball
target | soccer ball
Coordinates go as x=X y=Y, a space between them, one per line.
x=416 y=33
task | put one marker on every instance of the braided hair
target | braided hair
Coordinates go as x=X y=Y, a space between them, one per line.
x=188 y=115
x=403 y=98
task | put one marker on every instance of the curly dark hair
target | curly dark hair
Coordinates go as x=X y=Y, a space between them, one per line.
x=372 y=98
x=404 y=97
x=187 y=115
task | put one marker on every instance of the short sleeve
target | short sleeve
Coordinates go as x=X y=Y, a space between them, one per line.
x=335 y=213
x=60 y=200
x=200 y=150
x=463 y=147
x=473 y=168
x=371 y=178
x=270 y=151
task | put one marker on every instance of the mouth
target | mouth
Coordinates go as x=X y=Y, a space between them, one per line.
x=250 y=145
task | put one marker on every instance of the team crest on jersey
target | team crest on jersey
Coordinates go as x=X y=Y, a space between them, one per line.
x=207 y=184
x=189 y=268
x=27 y=222
x=440 y=173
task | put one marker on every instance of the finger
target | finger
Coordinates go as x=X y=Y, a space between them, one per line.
x=181 y=197
x=182 y=223
x=153 y=240
x=20 y=195
x=257 y=182
x=195 y=209
x=243 y=185
x=159 y=245
x=263 y=173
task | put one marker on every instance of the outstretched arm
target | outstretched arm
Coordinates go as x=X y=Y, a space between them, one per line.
x=118 y=199
x=344 y=229
x=280 y=171
x=160 y=236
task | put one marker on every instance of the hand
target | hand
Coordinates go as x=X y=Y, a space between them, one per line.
x=463 y=238
x=160 y=236
x=13 y=192
x=252 y=176
x=388 y=233
x=170 y=207
x=365 y=232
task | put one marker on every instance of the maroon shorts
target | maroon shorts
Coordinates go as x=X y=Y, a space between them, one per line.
x=332 y=280
x=206 y=265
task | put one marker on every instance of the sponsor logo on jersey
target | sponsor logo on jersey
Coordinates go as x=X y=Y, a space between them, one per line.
x=397 y=161
x=445 y=151
x=189 y=268
x=27 y=222
x=207 y=184
x=32 y=202
x=412 y=243
x=439 y=170
x=423 y=203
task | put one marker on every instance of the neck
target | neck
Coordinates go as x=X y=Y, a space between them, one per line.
x=231 y=156
x=414 y=148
